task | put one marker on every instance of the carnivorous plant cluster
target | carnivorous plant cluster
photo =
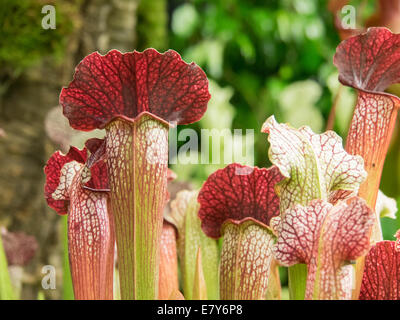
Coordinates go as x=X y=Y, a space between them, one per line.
x=313 y=211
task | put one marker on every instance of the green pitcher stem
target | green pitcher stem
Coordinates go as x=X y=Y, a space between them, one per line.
x=137 y=155
x=195 y=239
x=297 y=281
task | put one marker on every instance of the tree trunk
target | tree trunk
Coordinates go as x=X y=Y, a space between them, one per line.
x=24 y=149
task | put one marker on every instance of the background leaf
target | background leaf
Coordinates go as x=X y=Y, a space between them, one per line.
x=6 y=289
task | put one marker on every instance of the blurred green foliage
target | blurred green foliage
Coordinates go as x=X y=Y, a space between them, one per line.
x=23 y=40
x=153 y=16
x=275 y=57
x=6 y=288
